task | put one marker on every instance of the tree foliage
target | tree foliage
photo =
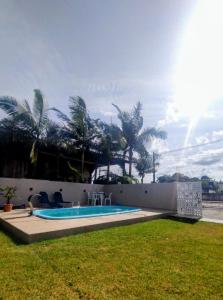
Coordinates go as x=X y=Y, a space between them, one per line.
x=144 y=165
x=135 y=135
x=79 y=129
x=77 y=136
x=176 y=177
x=33 y=121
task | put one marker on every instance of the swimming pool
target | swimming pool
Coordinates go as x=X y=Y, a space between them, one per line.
x=82 y=212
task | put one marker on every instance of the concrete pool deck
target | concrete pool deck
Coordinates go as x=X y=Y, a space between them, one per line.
x=29 y=229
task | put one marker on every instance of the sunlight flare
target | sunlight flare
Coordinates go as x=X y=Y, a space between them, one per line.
x=199 y=72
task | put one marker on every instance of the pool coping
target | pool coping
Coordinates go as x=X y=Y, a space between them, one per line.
x=29 y=229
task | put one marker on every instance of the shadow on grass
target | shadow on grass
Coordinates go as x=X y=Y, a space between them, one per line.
x=12 y=238
x=183 y=220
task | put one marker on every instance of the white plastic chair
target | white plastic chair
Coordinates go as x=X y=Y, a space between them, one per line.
x=89 y=198
x=108 y=199
x=101 y=197
x=94 y=198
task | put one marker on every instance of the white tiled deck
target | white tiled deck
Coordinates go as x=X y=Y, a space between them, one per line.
x=30 y=229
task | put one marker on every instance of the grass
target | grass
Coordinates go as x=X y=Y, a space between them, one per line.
x=162 y=259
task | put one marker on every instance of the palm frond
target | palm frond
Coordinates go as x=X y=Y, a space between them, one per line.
x=123 y=116
x=61 y=115
x=9 y=105
x=77 y=108
x=25 y=115
x=38 y=104
x=137 y=119
x=152 y=132
x=137 y=110
x=72 y=168
x=34 y=153
x=27 y=106
x=118 y=109
x=77 y=101
x=40 y=113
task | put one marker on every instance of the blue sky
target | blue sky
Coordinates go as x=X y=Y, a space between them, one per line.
x=123 y=51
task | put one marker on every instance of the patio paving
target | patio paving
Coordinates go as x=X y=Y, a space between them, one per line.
x=29 y=229
x=213 y=211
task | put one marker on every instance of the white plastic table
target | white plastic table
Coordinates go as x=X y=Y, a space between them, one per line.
x=99 y=196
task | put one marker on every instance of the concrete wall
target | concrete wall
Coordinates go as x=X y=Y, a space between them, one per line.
x=71 y=191
x=157 y=196
x=154 y=195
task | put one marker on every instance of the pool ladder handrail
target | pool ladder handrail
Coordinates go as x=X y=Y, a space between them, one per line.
x=30 y=198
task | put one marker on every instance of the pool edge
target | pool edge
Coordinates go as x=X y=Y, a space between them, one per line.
x=27 y=237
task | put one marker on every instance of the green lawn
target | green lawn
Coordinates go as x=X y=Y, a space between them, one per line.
x=162 y=259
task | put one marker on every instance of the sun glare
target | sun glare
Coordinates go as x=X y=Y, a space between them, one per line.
x=199 y=72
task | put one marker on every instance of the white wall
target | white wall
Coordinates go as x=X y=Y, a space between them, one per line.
x=155 y=195
x=71 y=191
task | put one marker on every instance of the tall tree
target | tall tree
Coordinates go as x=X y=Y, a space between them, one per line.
x=144 y=165
x=111 y=141
x=79 y=129
x=176 y=177
x=32 y=121
x=136 y=137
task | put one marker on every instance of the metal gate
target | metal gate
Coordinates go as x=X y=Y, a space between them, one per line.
x=189 y=199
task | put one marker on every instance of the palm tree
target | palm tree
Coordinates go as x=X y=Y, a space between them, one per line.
x=146 y=163
x=53 y=135
x=32 y=121
x=111 y=142
x=136 y=137
x=79 y=129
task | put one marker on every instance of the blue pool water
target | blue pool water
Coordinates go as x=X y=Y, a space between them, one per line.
x=83 y=212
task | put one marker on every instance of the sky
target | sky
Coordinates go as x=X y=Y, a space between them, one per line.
x=165 y=53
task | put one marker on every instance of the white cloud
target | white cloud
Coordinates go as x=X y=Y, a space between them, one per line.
x=202 y=139
x=172 y=115
x=108 y=113
x=217 y=134
x=159 y=146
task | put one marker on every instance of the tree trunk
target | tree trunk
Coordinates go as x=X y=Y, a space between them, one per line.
x=154 y=168
x=108 y=171
x=123 y=166
x=82 y=166
x=142 y=178
x=130 y=161
x=95 y=173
